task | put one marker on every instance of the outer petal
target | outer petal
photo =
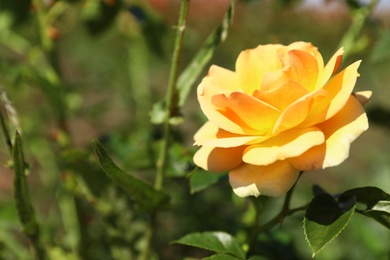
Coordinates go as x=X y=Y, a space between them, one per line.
x=253 y=115
x=363 y=96
x=331 y=67
x=271 y=180
x=340 y=131
x=205 y=93
x=216 y=159
x=340 y=88
x=252 y=64
x=291 y=143
x=223 y=79
x=210 y=135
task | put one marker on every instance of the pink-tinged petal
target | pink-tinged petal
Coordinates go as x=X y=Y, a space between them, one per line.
x=272 y=180
x=340 y=88
x=252 y=64
x=340 y=131
x=363 y=96
x=282 y=96
x=210 y=135
x=298 y=111
x=303 y=68
x=254 y=116
x=216 y=159
x=288 y=144
x=331 y=68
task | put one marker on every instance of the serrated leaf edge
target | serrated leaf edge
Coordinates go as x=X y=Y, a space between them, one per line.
x=304 y=231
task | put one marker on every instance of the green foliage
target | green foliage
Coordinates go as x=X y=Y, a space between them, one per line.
x=377 y=203
x=219 y=242
x=22 y=199
x=325 y=218
x=200 y=180
x=72 y=71
x=192 y=72
x=139 y=191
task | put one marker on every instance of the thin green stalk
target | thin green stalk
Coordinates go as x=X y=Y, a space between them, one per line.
x=4 y=130
x=351 y=41
x=12 y=115
x=279 y=218
x=44 y=37
x=145 y=254
x=284 y=212
x=171 y=95
x=287 y=199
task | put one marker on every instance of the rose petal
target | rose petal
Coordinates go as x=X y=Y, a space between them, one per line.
x=288 y=144
x=363 y=96
x=303 y=68
x=254 y=116
x=272 y=180
x=298 y=111
x=340 y=131
x=306 y=47
x=210 y=135
x=252 y=64
x=331 y=67
x=223 y=79
x=216 y=159
x=273 y=80
x=340 y=88
x=282 y=96
x=218 y=81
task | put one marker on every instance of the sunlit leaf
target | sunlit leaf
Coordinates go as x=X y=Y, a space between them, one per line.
x=188 y=77
x=200 y=180
x=376 y=200
x=325 y=219
x=222 y=257
x=141 y=192
x=219 y=242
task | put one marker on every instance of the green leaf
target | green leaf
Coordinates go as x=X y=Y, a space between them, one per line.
x=188 y=77
x=381 y=213
x=222 y=257
x=376 y=200
x=219 y=242
x=23 y=205
x=141 y=192
x=325 y=218
x=200 y=180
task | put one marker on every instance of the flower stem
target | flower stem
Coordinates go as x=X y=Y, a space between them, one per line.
x=171 y=95
x=284 y=212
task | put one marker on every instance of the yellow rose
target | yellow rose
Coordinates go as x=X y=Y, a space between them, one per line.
x=281 y=112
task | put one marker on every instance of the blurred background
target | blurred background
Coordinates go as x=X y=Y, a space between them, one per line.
x=72 y=71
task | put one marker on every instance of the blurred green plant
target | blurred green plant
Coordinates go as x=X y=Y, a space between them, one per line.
x=70 y=208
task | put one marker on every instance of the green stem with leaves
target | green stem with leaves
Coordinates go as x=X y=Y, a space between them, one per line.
x=284 y=212
x=171 y=100
x=171 y=95
x=352 y=41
